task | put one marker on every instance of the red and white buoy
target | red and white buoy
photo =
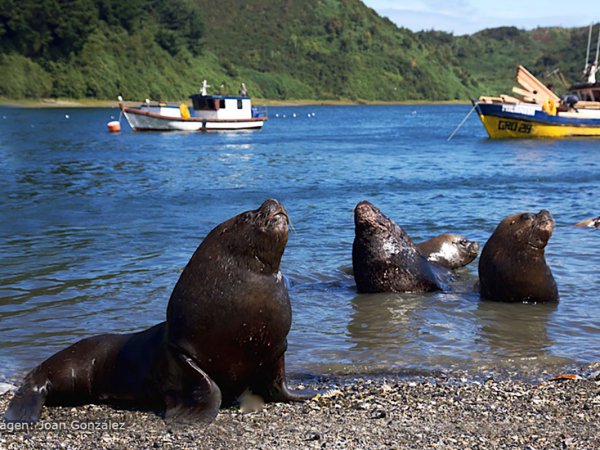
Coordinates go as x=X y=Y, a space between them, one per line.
x=114 y=126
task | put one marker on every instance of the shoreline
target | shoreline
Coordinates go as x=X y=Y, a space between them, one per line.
x=450 y=411
x=93 y=103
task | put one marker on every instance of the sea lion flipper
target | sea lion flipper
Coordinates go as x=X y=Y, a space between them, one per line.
x=273 y=387
x=281 y=393
x=198 y=399
x=26 y=405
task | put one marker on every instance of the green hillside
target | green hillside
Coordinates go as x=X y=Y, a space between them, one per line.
x=316 y=49
x=491 y=56
x=328 y=49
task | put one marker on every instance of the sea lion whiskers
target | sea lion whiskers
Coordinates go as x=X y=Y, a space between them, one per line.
x=292 y=228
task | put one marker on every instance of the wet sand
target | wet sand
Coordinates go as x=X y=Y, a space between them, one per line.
x=446 y=411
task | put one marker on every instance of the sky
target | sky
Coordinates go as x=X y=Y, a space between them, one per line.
x=469 y=16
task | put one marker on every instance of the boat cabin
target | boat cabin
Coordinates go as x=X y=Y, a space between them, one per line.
x=221 y=107
x=587 y=92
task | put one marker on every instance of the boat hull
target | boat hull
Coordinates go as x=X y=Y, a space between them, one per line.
x=147 y=121
x=502 y=121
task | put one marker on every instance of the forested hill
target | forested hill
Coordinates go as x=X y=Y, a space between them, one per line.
x=281 y=49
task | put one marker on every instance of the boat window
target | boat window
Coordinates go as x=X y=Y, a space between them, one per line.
x=239 y=104
x=202 y=103
x=222 y=103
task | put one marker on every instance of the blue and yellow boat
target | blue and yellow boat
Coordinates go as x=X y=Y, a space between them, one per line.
x=539 y=112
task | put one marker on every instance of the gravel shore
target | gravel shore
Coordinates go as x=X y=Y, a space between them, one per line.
x=446 y=411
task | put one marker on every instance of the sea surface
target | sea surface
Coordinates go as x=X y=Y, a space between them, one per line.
x=95 y=229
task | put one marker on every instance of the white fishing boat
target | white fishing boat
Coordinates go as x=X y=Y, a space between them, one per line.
x=207 y=113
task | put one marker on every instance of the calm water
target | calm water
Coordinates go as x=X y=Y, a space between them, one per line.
x=95 y=229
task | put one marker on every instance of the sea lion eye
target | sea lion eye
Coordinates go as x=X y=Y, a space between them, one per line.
x=463 y=242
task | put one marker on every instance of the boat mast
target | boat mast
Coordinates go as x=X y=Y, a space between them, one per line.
x=587 y=55
x=597 y=49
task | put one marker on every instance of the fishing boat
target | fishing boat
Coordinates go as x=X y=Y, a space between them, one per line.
x=537 y=112
x=207 y=113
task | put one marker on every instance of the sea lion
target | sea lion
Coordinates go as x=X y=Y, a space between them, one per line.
x=384 y=258
x=227 y=322
x=592 y=222
x=449 y=250
x=230 y=310
x=512 y=266
x=138 y=368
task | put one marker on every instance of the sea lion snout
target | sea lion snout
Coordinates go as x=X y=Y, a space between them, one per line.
x=273 y=214
x=369 y=216
x=473 y=248
x=544 y=223
x=271 y=207
x=545 y=220
x=364 y=211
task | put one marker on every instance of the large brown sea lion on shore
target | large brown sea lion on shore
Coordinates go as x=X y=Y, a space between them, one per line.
x=230 y=310
x=593 y=222
x=384 y=258
x=449 y=250
x=227 y=322
x=512 y=266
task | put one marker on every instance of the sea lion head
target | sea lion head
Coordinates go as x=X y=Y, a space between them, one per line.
x=259 y=235
x=467 y=250
x=527 y=230
x=371 y=224
x=450 y=250
x=593 y=222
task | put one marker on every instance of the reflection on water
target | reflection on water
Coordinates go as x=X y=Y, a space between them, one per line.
x=381 y=321
x=438 y=331
x=96 y=228
x=515 y=330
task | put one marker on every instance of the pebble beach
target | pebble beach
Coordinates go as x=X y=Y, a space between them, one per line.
x=443 y=411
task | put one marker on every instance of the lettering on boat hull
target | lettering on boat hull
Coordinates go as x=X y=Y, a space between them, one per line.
x=519 y=127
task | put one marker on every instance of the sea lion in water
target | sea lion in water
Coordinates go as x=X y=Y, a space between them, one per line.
x=592 y=222
x=449 y=250
x=384 y=258
x=512 y=266
x=226 y=329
